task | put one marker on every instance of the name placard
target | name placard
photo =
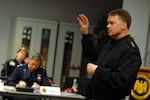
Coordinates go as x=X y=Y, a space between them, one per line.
x=50 y=90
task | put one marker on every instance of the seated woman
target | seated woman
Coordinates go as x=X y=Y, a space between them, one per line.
x=10 y=65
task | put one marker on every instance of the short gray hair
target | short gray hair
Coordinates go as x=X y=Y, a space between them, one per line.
x=37 y=56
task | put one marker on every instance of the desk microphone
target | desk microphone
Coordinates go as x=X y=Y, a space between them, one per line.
x=24 y=72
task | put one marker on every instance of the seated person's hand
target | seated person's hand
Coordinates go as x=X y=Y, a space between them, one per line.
x=21 y=84
x=37 y=86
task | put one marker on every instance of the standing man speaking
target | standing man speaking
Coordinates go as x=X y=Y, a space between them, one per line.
x=116 y=63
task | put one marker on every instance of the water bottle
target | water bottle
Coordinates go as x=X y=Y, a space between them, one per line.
x=1 y=85
x=34 y=87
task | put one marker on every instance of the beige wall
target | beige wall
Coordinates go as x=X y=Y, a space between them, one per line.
x=140 y=12
x=60 y=10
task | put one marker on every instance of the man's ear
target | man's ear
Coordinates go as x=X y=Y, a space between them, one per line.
x=124 y=25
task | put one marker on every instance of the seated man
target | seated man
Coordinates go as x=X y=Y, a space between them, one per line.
x=10 y=65
x=29 y=74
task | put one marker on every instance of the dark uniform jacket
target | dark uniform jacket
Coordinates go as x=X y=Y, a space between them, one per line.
x=9 y=67
x=22 y=72
x=118 y=63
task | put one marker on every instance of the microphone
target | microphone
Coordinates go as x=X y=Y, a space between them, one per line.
x=24 y=72
x=5 y=66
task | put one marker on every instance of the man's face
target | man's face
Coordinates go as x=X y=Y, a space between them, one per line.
x=21 y=55
x=34 y=64
x=115 y=26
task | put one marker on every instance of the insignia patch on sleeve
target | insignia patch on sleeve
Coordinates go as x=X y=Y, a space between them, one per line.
x=12 y=63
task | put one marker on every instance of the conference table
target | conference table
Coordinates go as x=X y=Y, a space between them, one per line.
x=62 y=96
